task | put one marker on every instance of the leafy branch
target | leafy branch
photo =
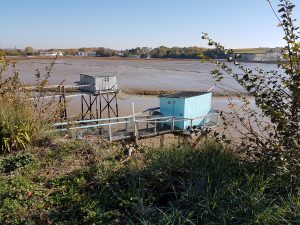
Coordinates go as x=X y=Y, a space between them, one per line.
x=276 y=135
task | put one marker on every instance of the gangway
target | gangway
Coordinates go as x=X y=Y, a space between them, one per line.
x=137 y=126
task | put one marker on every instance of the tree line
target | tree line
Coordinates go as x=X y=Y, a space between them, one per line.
x=139 y=52
x=175 y=52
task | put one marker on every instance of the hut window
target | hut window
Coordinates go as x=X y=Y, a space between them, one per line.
x=106 y=79
x=169 y=102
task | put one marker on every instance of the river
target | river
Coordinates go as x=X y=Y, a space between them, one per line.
x=139 y=75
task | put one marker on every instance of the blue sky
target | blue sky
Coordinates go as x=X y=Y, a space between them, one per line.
x=121 y=24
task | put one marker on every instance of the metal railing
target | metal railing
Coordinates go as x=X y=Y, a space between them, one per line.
x=137 y=126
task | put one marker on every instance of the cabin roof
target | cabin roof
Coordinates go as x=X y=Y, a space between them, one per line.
x=98 y=74
x=183 y=94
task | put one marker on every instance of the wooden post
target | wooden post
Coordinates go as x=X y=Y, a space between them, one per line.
x=204 y=123
x=172 y=125
x=126 y=124
x=90 y=106
x=117 y=108
x=60 y=104
x=108 y=105
x=82 y=116
x=109 y=131
x=155 y=126
x=65 y=103
x=147 y=125
x=100 y=103
x=97 y=107
x=135 y=131
x=218 y=119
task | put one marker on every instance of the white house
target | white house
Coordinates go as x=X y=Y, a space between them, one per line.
x=51 y=54
x=86 y=53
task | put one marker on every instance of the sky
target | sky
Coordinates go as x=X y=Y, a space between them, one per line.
x=122 y=24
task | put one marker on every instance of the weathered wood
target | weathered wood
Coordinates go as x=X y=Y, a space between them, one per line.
x=109 y=131
x=173 y=125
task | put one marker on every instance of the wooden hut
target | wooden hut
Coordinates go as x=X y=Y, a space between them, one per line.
x=96 y=83
x=186 y=105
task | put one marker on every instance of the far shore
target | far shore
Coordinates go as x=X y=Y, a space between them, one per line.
x=23 y=58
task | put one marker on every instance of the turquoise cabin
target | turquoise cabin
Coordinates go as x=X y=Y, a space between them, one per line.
x=186 y=105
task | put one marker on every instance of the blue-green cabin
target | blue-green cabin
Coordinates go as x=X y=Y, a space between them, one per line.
x=186 y=105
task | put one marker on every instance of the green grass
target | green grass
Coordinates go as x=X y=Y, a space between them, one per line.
x=75 y=182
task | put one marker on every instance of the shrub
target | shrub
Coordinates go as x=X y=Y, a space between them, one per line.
x=20 y=116
x=270 y=132
x=12 y=163
x=17 y=125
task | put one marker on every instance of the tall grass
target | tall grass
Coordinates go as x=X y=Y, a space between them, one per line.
x=75 y=183
x=208 y=185
x=16 y=120
x=17 y=125
x=20 y=116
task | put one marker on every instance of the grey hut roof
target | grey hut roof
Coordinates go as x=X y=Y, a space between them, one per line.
x=184 y=94
x=98 y=74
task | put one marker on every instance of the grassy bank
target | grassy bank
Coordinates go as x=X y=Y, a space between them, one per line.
x=75 y=182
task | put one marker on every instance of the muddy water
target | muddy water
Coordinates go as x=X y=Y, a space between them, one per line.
x=166 y=75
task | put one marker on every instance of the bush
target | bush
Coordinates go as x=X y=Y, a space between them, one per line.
x=17 y=125
x=12 y=163
x=21 y=115
x=270 y=131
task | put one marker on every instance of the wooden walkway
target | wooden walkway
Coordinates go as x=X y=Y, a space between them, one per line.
x=136 y=126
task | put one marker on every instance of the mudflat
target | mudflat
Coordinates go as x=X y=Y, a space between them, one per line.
x=140 y=80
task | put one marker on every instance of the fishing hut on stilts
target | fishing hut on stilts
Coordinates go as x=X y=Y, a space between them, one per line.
x=101 y=99
x=178 y=113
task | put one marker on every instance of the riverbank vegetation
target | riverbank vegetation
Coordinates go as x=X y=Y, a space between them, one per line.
x=65 y=181
x=272 y=131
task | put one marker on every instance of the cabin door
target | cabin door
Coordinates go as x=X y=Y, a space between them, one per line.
x=105 y=83
x=177 y=112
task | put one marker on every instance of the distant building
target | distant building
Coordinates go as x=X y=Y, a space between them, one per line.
x=51 y=54
x=120 y=54
x=86 y=53
x=134 y=56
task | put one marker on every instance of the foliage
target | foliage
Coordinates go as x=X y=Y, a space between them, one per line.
x=175 y=52
x=13 y=52
x=214 y=54
x=29 y=51
x=272 y=132
x=177 y=185
x=45 y=109
x=12 y=162
x=105 y=52
x=17 y=124
x=16 y=120
x=23 y=110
